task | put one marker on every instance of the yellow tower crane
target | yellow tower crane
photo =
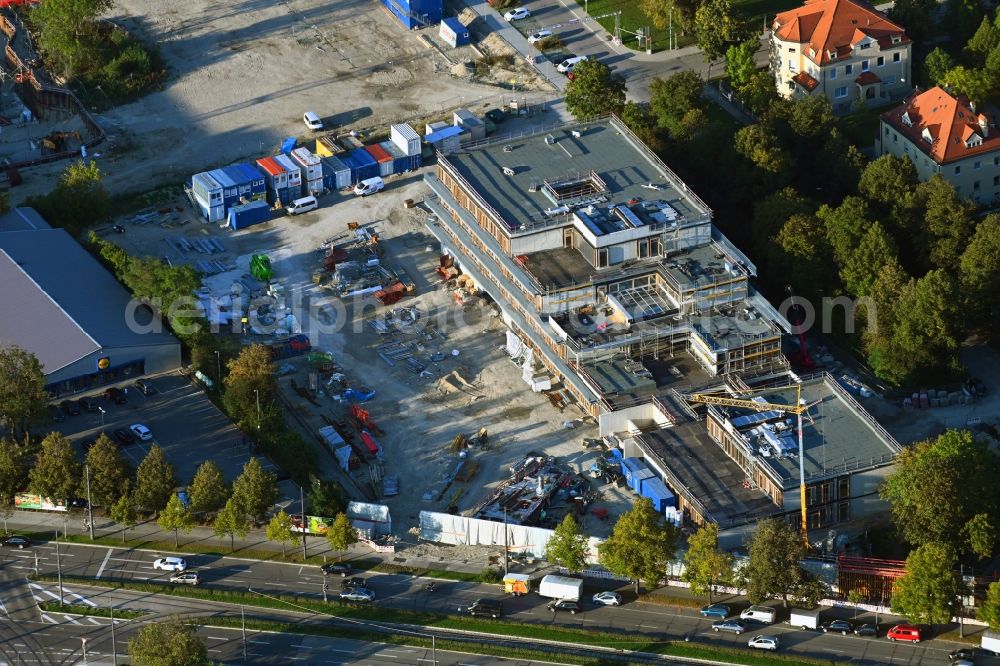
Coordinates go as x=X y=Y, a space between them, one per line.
x=798 y=409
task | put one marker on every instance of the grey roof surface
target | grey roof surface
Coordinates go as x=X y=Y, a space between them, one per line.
x=624 y=166
x=60 y=303
x=559 y=267
x=836 y=436
x=22 y=219
x=700 y=267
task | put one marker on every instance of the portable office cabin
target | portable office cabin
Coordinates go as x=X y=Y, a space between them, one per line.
x=230 y=191
x=258 y=188
x=471 y=123
x=240 y=179
x=294 y=175
x=339 y=174
x=657 y=491
x=311 y=168
x=276 y=179
x=416 y=13
x=635 y=471
x=249 y=214
x=445 y=140
x=207 y=189
x=367 y=166
x=400 y=163
x=383 y=158
x=405 y=138
x=453 y=32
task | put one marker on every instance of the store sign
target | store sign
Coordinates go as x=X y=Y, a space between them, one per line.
x=103 y=363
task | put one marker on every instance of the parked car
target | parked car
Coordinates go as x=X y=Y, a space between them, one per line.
x=56 y=414
x=867 y=629
x=963 y=653
x=962 y=662
x=495 y=115
x=89 y=404
x=568 y=64
x=115 y=395
x=15 y=541
x=353 y=583
x=124 y=437
x=764 y=642
x=715 y=610
x=359 y=594
x=843 y=626
x=144 y=387
x=487 y=607
x=176 y=564
x=539 y=36
x=69 y=407
x=335 y=568
x=607 y=598
x=564 y=605
x=190 y=578
x=517 y=14
x=312 y=121
x=904 y=632
x=735 y=626
x=141 y=432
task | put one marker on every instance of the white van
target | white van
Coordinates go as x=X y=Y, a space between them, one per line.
x=303 y=205
x=369 y=186
x=567 y=65
x=761 y=614
x=312 y=121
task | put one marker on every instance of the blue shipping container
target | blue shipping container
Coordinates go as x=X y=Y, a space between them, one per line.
x=230 y=192
x=242 y=182
x=635 y=471
x=249 y=214
x=254 y=176
x=367 y=165
x=657 y=491
x=341 y=172
x=416 y=13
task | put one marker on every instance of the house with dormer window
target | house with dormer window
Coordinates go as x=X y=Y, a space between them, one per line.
x=945 y=134
x=844 y=50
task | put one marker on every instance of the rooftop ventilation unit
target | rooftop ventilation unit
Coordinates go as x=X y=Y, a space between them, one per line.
x=508 y=148
x=507 y=171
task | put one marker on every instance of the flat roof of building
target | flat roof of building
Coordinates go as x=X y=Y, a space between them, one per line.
x=558 y=268
x=739 y=324
x=838 y=434
x=701 y=266
x=704 y=470
x=518 y=176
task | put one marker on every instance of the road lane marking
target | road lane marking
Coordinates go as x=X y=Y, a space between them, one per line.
x=85 y=600
x=216 y=638
x=94 y=620
x=103 y=564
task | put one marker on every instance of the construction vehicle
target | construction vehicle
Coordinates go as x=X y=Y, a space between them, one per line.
x=55 y=142
x=798 y=409
x=260 y=267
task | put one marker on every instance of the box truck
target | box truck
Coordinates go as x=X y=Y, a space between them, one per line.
x=806 y=619
x=991 y=641
x=561 y=587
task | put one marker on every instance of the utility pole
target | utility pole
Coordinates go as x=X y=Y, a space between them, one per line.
x=218 y=368
x=434 y=654
x=302 y=516
x=243 y=618
x=326 y=587
x=90 y=505
x=257 y=394
x=114 y=645
x=506 y=548
x=670 y=39
x=59 y=569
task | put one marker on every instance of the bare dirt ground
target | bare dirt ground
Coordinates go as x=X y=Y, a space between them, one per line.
x=419 y=414
x=244 y=72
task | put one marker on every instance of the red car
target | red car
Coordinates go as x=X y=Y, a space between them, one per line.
x=904 y=632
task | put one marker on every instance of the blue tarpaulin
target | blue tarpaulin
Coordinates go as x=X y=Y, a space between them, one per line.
x=287 y=145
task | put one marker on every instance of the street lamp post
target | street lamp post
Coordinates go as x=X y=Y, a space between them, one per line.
x=218 y=367
x=59 y=569
x=243 y=618
x=114 y=645
x=90 y=505
x=257 y=395
x=101 y=410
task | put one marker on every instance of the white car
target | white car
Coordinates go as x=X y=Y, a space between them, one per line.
x=312 y=121
x=539 y=36
x=764 y=642
x=176 y=564
x=141 y=432
x=567 y=65
x=358 y=594
x=517 y=14
x=607 y=598
x=190 y=578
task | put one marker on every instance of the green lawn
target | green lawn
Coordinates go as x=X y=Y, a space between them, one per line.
x=631 y=19
x=764 y=10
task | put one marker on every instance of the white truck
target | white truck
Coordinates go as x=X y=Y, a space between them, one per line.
x=991 y=642
x=806 y=619
x=561 y=587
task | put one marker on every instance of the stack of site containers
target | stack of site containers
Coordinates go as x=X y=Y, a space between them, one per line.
x=311 y=169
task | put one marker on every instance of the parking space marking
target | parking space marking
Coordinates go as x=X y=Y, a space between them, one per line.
x=103 y=564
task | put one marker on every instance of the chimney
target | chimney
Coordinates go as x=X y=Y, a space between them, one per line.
x=984 y=124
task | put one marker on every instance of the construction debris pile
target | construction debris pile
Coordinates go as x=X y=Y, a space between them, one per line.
x=352 y=266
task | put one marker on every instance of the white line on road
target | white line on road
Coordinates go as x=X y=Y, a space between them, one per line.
x=216 y=638
x=103 y=564
x=85 y=600
x=211 y=650
x=93 y=620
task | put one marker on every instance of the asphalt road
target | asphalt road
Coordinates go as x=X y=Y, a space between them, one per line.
x=406 y=592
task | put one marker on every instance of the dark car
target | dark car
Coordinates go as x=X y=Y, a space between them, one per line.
x=715 y=610
x=867 y=629
x=484 y=607
x=56 y=414
x=843 y=626
x=144 y=387
x=15 y=541
x=564 y=605
x=124 y=436
x=116 y=395
x=89 y=404
x=332 y=568
x=353 y=583
x=69 y=407
x=963 y=653
x=496 y=115
x=735 y=626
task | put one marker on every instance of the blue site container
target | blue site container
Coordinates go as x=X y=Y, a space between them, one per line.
x=230 y=192
x=249 y=214
x=453 y=32
x=340 y=173
x=416 y=13
x=635 y=471
x=367 y=165
x=657 y=491
x=244 y=189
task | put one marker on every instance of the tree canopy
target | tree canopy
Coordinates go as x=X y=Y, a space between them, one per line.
x=208 y=490
x=57 y=472
x=169 y=643
x=773 y=569
x=109 y=472
x=280 y=530
x=250 y=387
x=641 y=544
x=341 y=534
x=705 y=564
x=594 y=90
x=255 y=490
x=567 y=547
x=930 y=587
x=175 y=517
x=23 y=398
x=677 y=104
x=231 y=521
x=154 y=480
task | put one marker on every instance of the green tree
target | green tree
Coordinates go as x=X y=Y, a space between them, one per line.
x=758 y=144
x=341 y=534
x=63 y=28
x=154 y=480
x=123 y=512
x=208 y=490
x=986 y=39
x=801 y=246
x=280 y=530
x=980 y=535
x=979 y=270
x=963 y=18
x=948 y=222
x=641 y=544
x=169 y=643
x=927 y=333
x=13 y=470
x=168 y=290
x=741 y=65
x=255 y=490
x=889 y=183
x=594 y=90
x=231 y=521
x=250 y=387
x=930 y=586
x=326 y=497
x=175 y=516
x=875 y=249
x=977 y=84
x=660 y=14
x=770 y=215
x=811 y=117
x=880 y=317
x=939 y=485
x=108 y=471
x=706 y=565
x=638 y=119
x=674 y=101
x=23 y=399
x=916 y=16
x=717 y=26
x=938 y=63
x=56 y=473
x=567 y=547
x=989 y=611
x=759 y=93
x=773 y=568
x=845 y=226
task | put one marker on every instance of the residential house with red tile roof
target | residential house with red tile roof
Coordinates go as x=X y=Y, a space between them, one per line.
x=845 y=50
x=945 y=134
